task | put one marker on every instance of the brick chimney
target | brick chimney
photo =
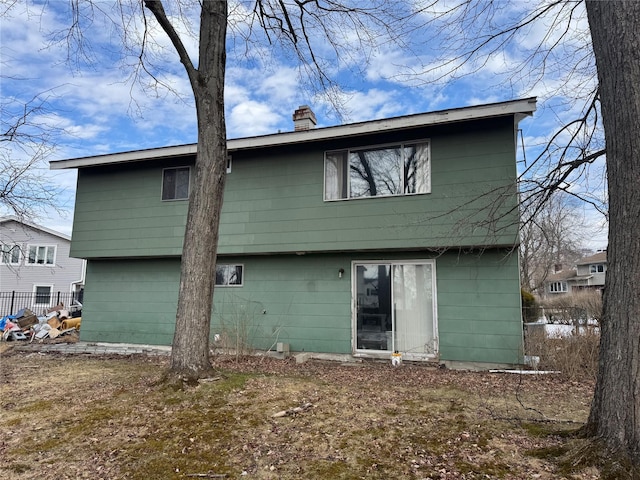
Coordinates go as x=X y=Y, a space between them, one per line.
x=304 y=118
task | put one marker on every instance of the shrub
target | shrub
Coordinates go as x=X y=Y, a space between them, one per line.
x=574 y=308
x=530 y=309
x=575 y=356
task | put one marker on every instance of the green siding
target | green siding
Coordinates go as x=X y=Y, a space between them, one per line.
x=479 y=307
x=273 y=201
x=301 y=301
x=132 y=301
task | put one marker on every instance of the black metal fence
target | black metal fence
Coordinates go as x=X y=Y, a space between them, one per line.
x=37 y=302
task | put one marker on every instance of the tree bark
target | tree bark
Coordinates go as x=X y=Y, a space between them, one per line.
x=615 y=411
x=190 y=352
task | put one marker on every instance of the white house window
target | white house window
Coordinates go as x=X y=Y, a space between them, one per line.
x=175 y=183
x=42 y=294
x=387 y=170
x=229 y=275
x=558 y=287
x=596 y=268
x=41 y=255
x=10 y=254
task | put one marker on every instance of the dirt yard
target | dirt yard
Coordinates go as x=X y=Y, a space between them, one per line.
x=73 y=417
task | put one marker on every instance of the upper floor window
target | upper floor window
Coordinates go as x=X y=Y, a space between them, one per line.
x=10 y=254
x=387 y=170
x=175 y=183
x=229 y=275
x=41 y=255
x=558 y=287
x=596 y=268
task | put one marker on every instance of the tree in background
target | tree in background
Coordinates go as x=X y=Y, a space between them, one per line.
x=25 y=143
x=554 y=237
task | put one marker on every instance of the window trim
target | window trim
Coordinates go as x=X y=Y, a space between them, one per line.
x=401 y=145
x=188 y=167
x=13 y=246
x=37 y=246
x=234 y=285
x=35 y=295
x=595 y=268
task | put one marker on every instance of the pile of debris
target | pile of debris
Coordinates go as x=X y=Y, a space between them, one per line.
x=56 y=325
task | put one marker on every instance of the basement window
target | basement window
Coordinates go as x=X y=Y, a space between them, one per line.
x=42 y=294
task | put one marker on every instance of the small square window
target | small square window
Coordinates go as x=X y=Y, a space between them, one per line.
x=229 y=275
x=42 y=295
x=175 y=183
x=10 y=254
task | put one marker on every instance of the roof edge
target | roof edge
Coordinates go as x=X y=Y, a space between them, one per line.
x=13 y=218
x=518 y=108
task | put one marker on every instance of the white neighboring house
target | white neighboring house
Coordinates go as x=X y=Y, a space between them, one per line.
x=588 y=274
x=35 y=264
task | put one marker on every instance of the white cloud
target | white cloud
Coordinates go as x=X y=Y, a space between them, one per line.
x=252 y=118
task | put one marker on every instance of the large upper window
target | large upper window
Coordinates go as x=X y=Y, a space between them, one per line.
x=229 y=275
x=598 y=268
x=386 y=170
x=41 y=255
x=175 y=183
x=10 y=254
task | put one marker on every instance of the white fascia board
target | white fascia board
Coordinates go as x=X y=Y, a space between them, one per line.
x=519 y=108
x=132 y=156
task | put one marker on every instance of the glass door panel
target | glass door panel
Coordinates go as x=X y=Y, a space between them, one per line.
x=373 y=307
x=413 y=309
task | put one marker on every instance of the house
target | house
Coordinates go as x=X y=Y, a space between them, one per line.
x=588 y=274
x=36 y=270
x=359 y=239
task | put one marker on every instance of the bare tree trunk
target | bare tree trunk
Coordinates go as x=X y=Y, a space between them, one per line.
x=615 y=411
x=190 y=353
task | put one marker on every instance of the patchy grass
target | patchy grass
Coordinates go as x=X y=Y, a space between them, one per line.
x=104 y=418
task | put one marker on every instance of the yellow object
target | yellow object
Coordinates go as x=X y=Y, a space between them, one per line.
x=72 y=323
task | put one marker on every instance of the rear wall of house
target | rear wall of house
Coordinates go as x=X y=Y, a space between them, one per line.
x=301 y=300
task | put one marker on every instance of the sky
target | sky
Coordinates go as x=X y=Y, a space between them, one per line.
x=93 y=100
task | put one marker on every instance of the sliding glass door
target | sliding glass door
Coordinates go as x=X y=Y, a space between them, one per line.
x=395 y=308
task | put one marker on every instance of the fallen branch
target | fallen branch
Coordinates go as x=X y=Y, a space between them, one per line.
x=292 y=411
x=207 y=475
